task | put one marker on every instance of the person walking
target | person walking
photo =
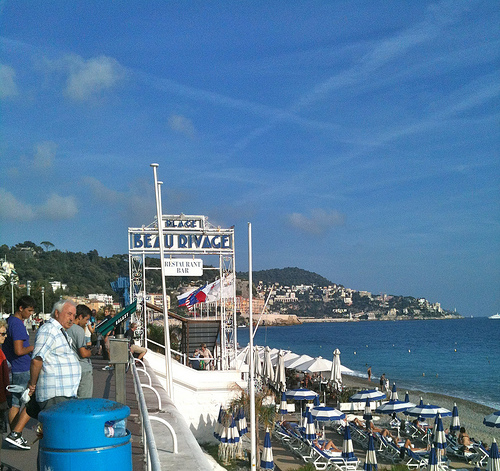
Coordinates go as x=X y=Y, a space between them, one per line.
x=79 y=343
x=17 y=350
x=4 y=379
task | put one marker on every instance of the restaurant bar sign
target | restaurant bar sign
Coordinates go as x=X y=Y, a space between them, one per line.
x=183 y=267
x=182 y=234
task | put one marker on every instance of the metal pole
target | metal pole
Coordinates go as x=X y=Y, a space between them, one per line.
x=159 y=218
x=12 y=294
x=253 y=432
x=28 y=287
x=43 y=300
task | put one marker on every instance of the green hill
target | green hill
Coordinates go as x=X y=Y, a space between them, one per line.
x=290 y=276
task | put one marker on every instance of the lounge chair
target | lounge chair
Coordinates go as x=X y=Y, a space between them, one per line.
x=415 y=460
x=480 y=455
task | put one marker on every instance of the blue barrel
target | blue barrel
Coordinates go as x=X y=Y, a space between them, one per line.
x=74 y=436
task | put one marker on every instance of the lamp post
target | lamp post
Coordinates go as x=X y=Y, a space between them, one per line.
x=12 y=291
x=43 y=300
x=28 y=287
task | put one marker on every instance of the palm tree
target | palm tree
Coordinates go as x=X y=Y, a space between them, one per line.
x=8 y=287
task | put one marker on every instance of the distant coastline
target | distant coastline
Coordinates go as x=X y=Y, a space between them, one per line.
x=305 y=320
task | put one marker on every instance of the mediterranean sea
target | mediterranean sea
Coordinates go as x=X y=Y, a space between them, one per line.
x=455 y=357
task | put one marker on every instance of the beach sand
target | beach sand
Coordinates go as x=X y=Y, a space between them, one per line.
x=471 y=414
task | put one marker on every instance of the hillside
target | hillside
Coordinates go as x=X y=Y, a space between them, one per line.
x=290 y=276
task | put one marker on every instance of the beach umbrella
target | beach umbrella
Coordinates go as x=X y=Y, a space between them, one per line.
x=336 y=371
x=433 y=461
x=291 y=364
x=257 y=362
x=368 y=412
x=315 y=365
x=266 y=461
x=218 y=424
x=439 y=435
x=455 y=420
x=268 y=372
x=310 y=433
x=347 y=447
x=391 y=407
x=394 y=393
x=289 y=356
x=323 y=413
x=283 y=405
x=427 y=411
x=279 y=376
x=494 y=458
x=371 y=456
x=371 y=394
x=242 y=422
x=300 y=394
x=316 y=402
x=233 y=436
x=492 y=420
x=407 y=399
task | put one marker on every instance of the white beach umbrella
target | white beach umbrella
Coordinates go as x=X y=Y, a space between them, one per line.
x=280 y=374
x=494 y=458
x=368 y=413
x=428 y=411
x=301 y=394
x=283 y=405
x=439 y=435
x=310 y=432
x=298 y=361
x=315 y=365
x=289 y=356
x=336 y=371
x=391 y=407
x=268 y=372
x=257 y=362
x=492 y=420
x=347 y=446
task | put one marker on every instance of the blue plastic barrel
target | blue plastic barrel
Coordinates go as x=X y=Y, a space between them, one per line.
x=74 y=436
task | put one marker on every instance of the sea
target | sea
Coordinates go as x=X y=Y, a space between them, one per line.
x=455 y=357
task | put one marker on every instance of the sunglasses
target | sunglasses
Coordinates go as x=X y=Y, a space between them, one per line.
x=3 y=334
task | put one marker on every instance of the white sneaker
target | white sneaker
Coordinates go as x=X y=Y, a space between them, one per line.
x=16 y=439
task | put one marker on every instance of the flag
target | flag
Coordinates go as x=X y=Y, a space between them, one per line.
x=184 y=297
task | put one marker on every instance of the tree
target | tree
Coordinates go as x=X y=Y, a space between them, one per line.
x=48 y=245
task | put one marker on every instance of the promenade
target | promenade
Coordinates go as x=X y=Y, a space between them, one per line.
x=104 y=387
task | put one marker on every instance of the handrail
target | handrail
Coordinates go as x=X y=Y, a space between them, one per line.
x=148 y=438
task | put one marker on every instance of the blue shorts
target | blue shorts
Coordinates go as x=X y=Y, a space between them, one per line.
x=21 y=378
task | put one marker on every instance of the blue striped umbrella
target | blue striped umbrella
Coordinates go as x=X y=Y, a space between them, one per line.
x=455 y=420
x=316 y=401
x=217 y=428
x=266 y=461
x=326 y=413
x=347 y=447
x=368 y=412
x=427 y=411
x=371 y=456
x=439 y=435
x=394 y=393
x=371 y=394
x=433 y=461
x=283 y=405
x=390 y=407
x=492 y=420
x=494 y=458
x=301 y=394
x=242 y=422
x=233 y=437
x=310 y=433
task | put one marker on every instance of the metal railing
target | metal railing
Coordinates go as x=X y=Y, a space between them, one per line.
x=148 y=439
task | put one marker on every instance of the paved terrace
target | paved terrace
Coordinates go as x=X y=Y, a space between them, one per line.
x=190 y=456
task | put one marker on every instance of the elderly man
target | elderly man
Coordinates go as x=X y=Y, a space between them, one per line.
x=55 y=370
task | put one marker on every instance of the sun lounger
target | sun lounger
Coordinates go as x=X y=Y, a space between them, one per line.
x=415 y=460
x=480 y=455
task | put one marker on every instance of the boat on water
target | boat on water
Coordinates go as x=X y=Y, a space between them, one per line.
x=495 y=316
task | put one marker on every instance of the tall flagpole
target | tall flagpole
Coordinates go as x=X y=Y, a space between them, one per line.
x=253 y=432
x=159 y=220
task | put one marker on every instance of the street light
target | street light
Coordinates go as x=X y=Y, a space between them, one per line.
x=43 y=300
x=12 y=287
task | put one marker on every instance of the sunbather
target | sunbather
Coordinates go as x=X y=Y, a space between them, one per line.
x=327 y=446
x=464 y=439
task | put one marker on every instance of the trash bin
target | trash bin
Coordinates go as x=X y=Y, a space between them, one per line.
x=76 y=436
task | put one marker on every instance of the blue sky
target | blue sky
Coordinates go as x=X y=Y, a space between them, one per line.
x=360 y=139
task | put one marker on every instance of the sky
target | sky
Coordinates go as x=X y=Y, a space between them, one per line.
x=360 y=139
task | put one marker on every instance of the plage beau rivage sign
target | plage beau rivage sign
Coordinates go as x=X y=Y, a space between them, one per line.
x=182 y=235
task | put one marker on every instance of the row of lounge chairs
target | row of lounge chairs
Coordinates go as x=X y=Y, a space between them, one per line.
x=292 y=438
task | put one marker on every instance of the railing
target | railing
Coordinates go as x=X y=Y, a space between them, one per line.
x=148 y=439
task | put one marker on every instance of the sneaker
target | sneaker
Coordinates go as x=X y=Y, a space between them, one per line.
x=16 y=439
x=108 y=368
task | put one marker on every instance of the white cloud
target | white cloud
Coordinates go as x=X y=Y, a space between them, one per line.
x=8 y=85
x=13 y=209
x=44 y=154
x=55 y=208
x=89 y=77
x=317 y=222
x=58 y=207
x=182 y=125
